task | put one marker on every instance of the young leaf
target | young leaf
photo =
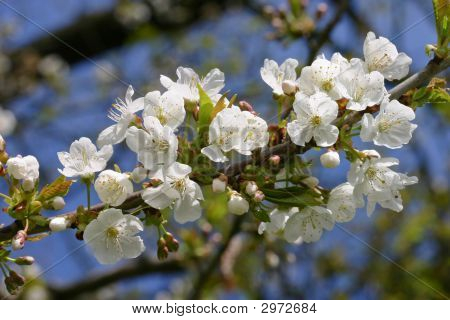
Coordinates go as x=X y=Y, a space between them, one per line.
x=261 y=215
x=220 y=105
x=205 y=111
x=59 y=187
x=441 y=14
x=292 y=197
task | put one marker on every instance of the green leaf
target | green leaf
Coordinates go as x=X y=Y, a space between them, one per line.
x=261 y=215
x=441 y=14
x=205 y=111
x=292 y=196
x=59 y=187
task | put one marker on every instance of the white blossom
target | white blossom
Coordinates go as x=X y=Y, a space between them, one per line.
x=257 y=134
x=113 y=187
x=178 y=190
x=314 y=118
x=226 y=132
x=112 y=236
x=237 y=204
x=8 y=122
x=168 y=108
x=382 y=55
x=123 y=113
x=362 y=89
x=330 y=159
x=374 y=178
x=58 y=224
x=282 y=79
x=83 y=159
x=342 y=203
x=323 y=76
x=156 y=145
x=24 y=168
x=188 y=80
x=307 y=225
x=391 y=127
x=390 y=199
x=278 y=219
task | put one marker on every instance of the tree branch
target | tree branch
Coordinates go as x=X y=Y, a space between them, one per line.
x=433 y=67
x=129 y=271
x=204 y=274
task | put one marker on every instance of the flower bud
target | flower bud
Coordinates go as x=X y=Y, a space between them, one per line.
x=18 y=241
x=237 y=204
x=289 y=87
x=4 y=157
x=219 y=184
x=275 y=160
x=58 y=224
x=259 y=196
x=2 y=144
x=311 y=182
x=58 y=203
x=28 y=185
x=24 y=261
x=251 y=188
x=13 y=282
x=171 y=243
x=138 y=174
x=321 y=10
x=330 y=159
x=245 y=106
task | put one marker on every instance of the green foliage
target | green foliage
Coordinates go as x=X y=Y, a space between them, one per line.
x=434 y=93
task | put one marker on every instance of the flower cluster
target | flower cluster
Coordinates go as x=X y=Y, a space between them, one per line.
x=325 y=93
x=327 y=104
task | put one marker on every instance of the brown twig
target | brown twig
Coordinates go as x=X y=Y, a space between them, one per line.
x=129 y=271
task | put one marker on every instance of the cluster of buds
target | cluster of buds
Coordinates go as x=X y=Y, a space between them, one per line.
x=167 y=243
x=296 y=22
x=251 y=189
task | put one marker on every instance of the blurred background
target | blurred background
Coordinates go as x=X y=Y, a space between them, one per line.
x=62 y=64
